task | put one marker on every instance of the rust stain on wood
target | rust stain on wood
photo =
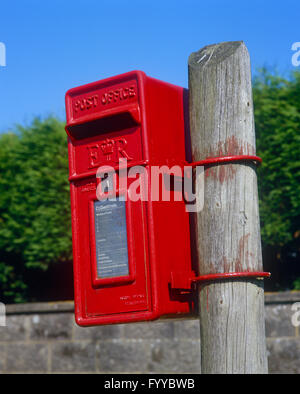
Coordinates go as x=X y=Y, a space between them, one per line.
x=241 y=263
x=242 y=260
x=207 y=299
x=230 y=147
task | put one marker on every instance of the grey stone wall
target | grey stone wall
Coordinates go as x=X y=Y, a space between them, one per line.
x=283 y=339
x=43 y=338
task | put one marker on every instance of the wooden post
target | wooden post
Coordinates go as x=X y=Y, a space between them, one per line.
x=232 y=321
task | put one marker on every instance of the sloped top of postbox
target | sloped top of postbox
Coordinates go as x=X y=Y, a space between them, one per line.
x=119 y=94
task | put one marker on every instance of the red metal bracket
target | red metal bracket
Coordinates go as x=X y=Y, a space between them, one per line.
x=231 y=275
x=180 y=280
x=225 y=159
x=226 y=275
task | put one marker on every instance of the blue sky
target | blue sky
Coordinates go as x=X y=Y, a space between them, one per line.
x=55 y=45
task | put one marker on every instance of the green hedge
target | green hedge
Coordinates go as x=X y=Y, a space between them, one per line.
x=35 y=225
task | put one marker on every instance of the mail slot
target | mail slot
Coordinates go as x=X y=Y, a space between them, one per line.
x=127 y=251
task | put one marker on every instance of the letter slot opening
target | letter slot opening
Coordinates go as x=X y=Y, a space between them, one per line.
x=107 y=124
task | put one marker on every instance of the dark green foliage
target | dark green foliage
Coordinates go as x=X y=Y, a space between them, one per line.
x=277 y=118
x=34 y=204
x=296 y=284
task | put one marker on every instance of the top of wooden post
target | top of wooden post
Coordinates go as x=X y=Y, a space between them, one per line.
x=215 y=53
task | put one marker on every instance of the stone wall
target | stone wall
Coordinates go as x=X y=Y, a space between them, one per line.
x=43 y=338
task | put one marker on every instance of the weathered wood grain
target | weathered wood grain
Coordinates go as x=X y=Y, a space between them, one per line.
x=227 y=229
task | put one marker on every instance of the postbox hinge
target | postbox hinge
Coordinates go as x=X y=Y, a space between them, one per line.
x=181 y=280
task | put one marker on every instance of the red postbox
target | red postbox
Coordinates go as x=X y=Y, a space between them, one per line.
x=132 y=259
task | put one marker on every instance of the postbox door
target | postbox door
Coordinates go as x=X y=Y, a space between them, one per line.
x=113 y=255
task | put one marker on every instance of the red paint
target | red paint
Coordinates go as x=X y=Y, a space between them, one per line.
x=141 y=119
